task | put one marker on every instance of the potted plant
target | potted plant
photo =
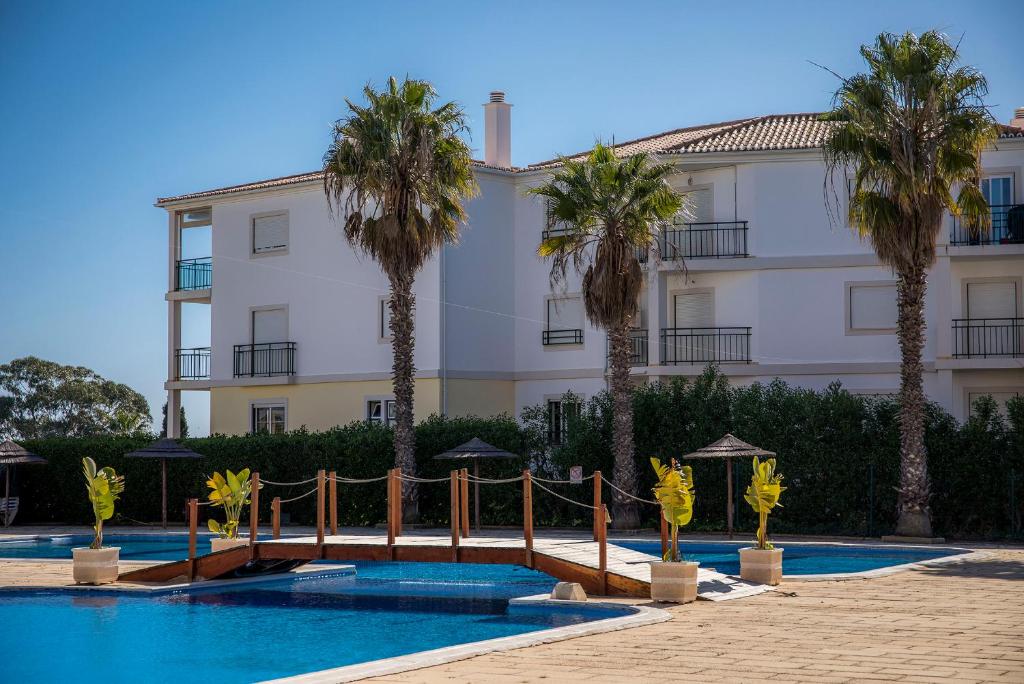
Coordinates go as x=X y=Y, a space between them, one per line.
x=230 y=492
x=673 y=579
x=763 y=563
x=95 y=564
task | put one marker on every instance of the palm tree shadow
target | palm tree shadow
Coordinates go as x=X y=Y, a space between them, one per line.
x=981 y=568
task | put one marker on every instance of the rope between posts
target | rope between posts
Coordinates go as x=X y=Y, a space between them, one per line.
x=541 y=479
x=482 y=480
x=625 y=493
x=287 y=484
x=300 y=496
x=423 y=480
x=349 y=480
x=565 y=498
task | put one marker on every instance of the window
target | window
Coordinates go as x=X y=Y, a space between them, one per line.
x=270 y=233
x=871 y=308
x=269 y=418
x=694 y=309
x=992 y=299
x=563 y=321
x=1001 y=398
x=269 y=325
x=560 y=413
x=384 y=319
x=998 y=192
x=381 y=411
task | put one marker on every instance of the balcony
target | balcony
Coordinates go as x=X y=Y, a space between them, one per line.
x=264 y=359
x=983 y=338
x=705 y=240
x=638 y=347
x=1007 y=228
x=680 y=346
x=640 y=252
x=194 y=274
x=556 y=337
x=192 y=364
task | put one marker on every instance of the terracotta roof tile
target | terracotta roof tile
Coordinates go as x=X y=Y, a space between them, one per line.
x=756 y=134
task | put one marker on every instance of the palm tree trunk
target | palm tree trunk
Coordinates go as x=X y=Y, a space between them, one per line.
x=403 y=371
x=914 y=516
x=624 y=511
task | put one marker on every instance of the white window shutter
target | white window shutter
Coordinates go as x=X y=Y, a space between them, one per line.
x=270 y=325
x=873 y=307
x=699 y=206
x=565 y=313
x=269 y=233
x=694 y=310
x=992 y=300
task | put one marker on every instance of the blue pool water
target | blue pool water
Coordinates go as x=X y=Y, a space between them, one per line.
x=133 y=546
x=270 y=630
x=799 y=558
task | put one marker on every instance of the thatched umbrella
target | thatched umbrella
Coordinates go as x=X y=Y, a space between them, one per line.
x=729 y=447
x=164 y=449
x=475 y=450
x=12 y=454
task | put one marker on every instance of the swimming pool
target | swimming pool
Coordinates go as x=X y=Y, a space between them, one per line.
x=276 y=629
x=801 y=558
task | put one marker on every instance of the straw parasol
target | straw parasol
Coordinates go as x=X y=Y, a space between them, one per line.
x=475 y=450
x=729 y=447
x=164 y=449
x=12 y=454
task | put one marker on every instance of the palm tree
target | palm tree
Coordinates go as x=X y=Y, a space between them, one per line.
x=609 y=208
x=911 y=130
x=398 y=172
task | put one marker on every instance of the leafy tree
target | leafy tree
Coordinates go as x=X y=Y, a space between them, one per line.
x=610 y=208
x=398 y=172
x=181 y=420
x=911 y=129
x=47 y=399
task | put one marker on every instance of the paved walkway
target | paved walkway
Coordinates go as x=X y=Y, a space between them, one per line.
x=956 y=623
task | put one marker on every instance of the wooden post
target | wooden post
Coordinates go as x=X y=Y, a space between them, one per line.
x=320 y=476
x=597 y=503
x=664 y=534
x=334 y=502
x=254 y=509
x=455 y=487
x=275 y=507
x=193 y=523
x=602 y=551
x=728 y=497
x=528 y=517
x=397 y=502
x=391 y=511
x=464 y=500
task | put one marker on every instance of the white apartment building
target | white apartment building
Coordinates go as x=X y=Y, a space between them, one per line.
x=767 y=287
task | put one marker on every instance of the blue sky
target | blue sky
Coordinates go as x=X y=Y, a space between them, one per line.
x=108 y=105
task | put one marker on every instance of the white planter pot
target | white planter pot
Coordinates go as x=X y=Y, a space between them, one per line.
x=95 y=566
x=221 y=544
x=763 y=566
x=673 y=582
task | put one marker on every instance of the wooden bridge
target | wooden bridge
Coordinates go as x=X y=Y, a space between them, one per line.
x=601 y=568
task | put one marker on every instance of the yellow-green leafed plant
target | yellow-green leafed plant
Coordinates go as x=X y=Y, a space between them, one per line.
x=674 y=492
x=231 y=492
x=104 y=487
x=763 y=495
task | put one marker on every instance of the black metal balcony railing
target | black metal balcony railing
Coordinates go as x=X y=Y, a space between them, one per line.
x=1007 y=228
x=554 y=337
x=264 y=359
x=637 y=348
x=195 y=274
x=713 y=239
x=192 y=364
x=975 y=338
x=705 y=345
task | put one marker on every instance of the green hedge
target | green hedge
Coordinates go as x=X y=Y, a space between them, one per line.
x=839 y=454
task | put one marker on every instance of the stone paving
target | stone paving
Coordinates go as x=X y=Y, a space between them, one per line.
x=957 y=623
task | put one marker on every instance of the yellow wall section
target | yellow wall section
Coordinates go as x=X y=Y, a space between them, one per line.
x=318 y=406
x=484 y=398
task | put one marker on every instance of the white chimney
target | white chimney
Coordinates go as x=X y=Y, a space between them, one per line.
x=1018 y=118
x=498 y=131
